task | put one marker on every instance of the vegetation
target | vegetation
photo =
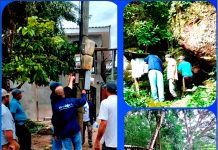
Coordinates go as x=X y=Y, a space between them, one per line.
x=38 y=54
x=204 y=96
x=158 y=28
x=184 y=129
x=34 y=44
x=145 y=24
x=33 y=126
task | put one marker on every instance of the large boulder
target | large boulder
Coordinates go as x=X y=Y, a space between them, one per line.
x=195 y=29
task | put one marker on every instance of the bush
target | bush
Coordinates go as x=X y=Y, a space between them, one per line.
x=33 y=126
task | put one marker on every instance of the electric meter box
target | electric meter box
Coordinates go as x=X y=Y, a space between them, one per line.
x=88 y=47
x=86 y=62
x=77 y=61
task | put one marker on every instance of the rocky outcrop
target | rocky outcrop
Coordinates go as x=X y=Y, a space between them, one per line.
x=195 y=29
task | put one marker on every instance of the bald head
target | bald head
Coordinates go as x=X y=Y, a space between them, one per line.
x=59 y=91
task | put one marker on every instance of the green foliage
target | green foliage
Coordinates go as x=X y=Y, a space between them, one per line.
x=171 y=128
x=140 y=126
x=132 y=98
x=38 y=53
x=52 y=10
x=34 y=127
x=204 y=96
x=141 y=99
x=146 y=23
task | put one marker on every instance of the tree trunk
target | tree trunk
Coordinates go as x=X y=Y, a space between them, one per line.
x=5 y=84
x=157 y=130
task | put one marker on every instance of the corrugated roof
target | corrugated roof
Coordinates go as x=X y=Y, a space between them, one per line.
x=91 y=27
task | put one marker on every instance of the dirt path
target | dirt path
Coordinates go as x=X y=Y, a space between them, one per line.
x=181 y=103
x=43 y=142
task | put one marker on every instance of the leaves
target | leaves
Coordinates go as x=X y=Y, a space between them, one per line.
x=38 y=54
x=140 y=126
x=146 y=23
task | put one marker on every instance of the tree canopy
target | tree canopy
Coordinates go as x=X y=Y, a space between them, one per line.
x=189 y=129
x=145 y=24
x=35 y=48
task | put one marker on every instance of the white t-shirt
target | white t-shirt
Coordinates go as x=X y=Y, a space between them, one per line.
x=108 y=111
x=171 y=74
x=86 y=112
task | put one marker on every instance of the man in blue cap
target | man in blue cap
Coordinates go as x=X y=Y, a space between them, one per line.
x=20 y=118
x=69 y=91
x=66 y=126
x=107 y=132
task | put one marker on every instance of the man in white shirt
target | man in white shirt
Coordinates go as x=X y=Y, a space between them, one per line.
x=107 y=132
x=89 y=117
x=172 y=74
x=8 y=135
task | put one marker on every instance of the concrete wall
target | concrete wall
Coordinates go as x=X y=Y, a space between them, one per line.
x=29 y=100
x=29 y=97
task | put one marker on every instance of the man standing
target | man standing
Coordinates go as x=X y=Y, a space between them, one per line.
x=20 y=118
x=155 y=76
x=185 y=69
x=69 y=91
x=8 y=136
x=64 y=118
x=107 y=132
x=172 y=74
x=88 y=119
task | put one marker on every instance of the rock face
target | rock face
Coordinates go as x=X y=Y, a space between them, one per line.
x=195 y=29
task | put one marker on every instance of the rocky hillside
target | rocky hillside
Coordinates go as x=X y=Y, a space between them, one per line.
x=195 y=29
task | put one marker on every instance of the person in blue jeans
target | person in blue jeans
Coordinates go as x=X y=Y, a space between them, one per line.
x=66 y=127
x=155 y=75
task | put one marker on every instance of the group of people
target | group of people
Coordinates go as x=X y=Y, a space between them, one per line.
x=15 y=134
x=66 y=128
x=65 y=124
x=155 y=75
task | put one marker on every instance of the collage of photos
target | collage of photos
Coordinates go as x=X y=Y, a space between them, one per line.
x=170 y=62
x=62 y=75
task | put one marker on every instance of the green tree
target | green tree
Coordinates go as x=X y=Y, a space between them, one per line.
x=13 y=18
x=178 y=130
x=38 y=54
x=145 y=24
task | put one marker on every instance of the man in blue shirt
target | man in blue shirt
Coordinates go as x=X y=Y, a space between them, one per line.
x=185 y=69
x=20 y=118
x=64 y=118
x=155 y=76
x=8 y=135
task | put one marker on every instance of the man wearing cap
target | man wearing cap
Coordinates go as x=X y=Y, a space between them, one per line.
x=107 y=132
x=8 y=135
x=185 y=69
x=69 y=91
x=155 y=75
x=66 y=126
x=20 y=118
x=172 y=74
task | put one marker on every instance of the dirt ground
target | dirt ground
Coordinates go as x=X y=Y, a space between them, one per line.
x=43 y=142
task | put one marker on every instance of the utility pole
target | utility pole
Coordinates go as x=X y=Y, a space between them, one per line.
x=84 y=24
